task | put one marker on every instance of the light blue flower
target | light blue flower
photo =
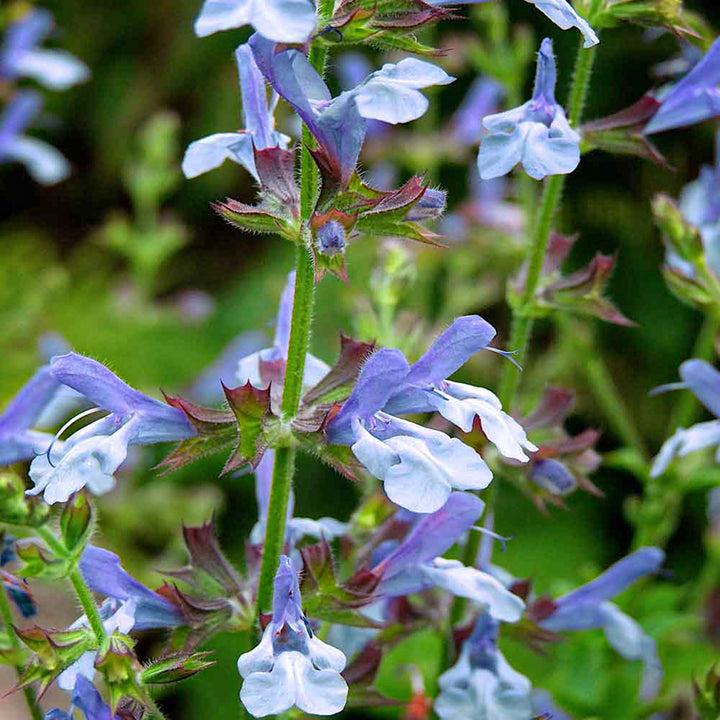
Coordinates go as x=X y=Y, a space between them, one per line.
x=704 y=381
x=562 y=13
x=210 y=152
x=536 y=134
x=694 y=99
x=291 y=666
x=45 y=164
x=252 y=367
x=482 y=685
x=18 y=443
x=416 y=563
x=21 y=57
x=295 y=528
x=92 y=455
x=284 y=21
x=589 y=607
x=392 y=94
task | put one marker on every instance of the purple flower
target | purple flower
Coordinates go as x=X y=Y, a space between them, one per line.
x=704 y=381
x=91 y=455
x=21 y=57
x=291 y=667
x=482 y=684
x=339 y=124
x=285 y=21
x=416 y=564
x=589 y=607
x=18 y=442
x=45 y=164
x=259 y=133
x=536 y=134
x=250 y=367
x=694 y=99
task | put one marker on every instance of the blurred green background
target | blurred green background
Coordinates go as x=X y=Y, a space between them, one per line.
x=59 y=273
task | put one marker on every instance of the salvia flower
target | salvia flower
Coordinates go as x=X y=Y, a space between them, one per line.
x=295 y=528
x=482 y=684
x=694 y=99
x=392 y=94
x=536 y=134
x=283 y=21
x=20 y=55
x=45 y=164
x=704 y=381
x=210 y=152
x=416 y=563
x=250 y=368
x=589 y=607
x=18 y=442
x=87 y=699
x=93 y=454
x=291 y=666
x=420 y=466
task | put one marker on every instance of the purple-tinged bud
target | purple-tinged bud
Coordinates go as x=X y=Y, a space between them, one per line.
x=330 y=238
x=430 y=206
x=552 y=476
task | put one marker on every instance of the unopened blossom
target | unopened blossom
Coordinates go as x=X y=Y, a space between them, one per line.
x=250 y=368
x=704 y=381
x=291 y=666
x=18 y=442
x=295 y=528
x=258 y=120
x=536 y=134
x=285 y=21
x=694 y=99
x=417 y=564
x=391 y=94
x=589 y=607
x=45 y=164
x=482 y=685
x=91 y=456
x=21 y=56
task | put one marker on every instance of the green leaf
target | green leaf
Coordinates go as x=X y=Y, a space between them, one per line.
x=251 y=408
x=37 y=564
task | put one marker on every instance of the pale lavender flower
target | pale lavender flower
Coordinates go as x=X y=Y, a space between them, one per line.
x=704 y=381
x=536 y=134
x=45 y=164
x=91 y=455
x=416 y=563
x=291 y=666
x=392 y=94
x=258 y=118
x=694 y=99
x=20 y=55
x=589 y=607
x=562 y=13
x=482 y=684
x=285 y=21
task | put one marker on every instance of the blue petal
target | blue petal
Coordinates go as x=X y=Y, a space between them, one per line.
x=45 y=164
x=23 y=35
x=565 y=17
x=55 y=69
x=87 y=699
x=25 y=408
x=704 y=380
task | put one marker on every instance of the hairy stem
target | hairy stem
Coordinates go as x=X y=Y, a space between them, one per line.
x=522 y=321
x=7 y=623
x=303 y=302
x=88 y=604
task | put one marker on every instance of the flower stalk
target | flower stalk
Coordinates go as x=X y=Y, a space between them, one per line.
x=303 y=303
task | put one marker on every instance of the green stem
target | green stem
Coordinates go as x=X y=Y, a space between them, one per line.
x=7 y=622
x=522 y=322
x=82 y=591
x=303 y=302
x=88 y=604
